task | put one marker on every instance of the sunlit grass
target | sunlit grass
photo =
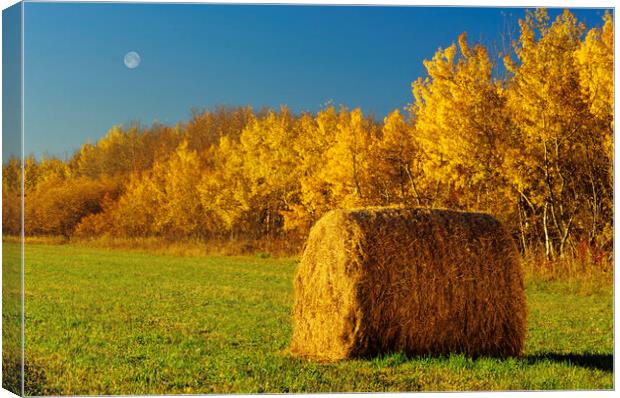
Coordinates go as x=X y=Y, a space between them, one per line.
x=112 y=322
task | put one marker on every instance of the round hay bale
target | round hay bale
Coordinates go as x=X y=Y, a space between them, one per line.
x=417 y=281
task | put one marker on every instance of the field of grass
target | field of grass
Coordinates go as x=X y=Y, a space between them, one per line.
x=113 y=322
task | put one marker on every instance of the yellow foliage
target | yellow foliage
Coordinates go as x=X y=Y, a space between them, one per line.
x=461 y=127
x=534 y=148
x=346 y=170
x=554 y=161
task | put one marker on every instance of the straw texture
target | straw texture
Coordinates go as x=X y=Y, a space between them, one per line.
x=418 y=281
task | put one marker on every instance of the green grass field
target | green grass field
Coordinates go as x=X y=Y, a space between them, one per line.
x=111 y=322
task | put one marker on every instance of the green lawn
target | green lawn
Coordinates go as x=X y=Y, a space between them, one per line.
x=111 y=322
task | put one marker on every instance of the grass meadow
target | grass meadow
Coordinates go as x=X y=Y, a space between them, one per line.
x=115 y=322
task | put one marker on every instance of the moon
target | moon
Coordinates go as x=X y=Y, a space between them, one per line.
x=132 y=60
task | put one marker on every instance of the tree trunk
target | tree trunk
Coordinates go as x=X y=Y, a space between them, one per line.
x=521 y=226
x=413 y=186
x=548 y=245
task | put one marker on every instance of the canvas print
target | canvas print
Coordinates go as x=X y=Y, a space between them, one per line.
x=249 y=198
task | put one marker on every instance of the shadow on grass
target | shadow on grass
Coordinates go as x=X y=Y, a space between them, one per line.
x=604 y=362
x=35 y=380
x=12 y=372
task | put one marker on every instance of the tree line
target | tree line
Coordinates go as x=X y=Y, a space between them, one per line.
x=534 y=147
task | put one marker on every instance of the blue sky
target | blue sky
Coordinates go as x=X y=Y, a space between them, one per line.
x=196 y=56
x=11 y=82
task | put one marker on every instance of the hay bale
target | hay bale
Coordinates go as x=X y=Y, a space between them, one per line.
x=422 y=282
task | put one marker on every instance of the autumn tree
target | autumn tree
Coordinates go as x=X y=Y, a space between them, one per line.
x=12 y=196
x=553 y=134
x=206 y=128
x=595 y=64
x=396 y=163
x=122 y=152
x=225 y=192
x=316 y=135
x=165 y=201
x=461 y=126
x=56 y=208
x=347 y=167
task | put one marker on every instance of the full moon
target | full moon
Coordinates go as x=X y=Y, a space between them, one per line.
x=132 y=60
